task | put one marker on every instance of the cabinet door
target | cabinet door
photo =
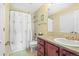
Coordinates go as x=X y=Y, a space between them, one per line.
x=51 y=50
x=66 y=53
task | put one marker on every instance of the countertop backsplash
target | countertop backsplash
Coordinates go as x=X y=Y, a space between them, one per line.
x=69 y=36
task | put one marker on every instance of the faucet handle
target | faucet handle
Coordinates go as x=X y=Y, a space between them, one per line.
x=72 y=32
x=75 y=32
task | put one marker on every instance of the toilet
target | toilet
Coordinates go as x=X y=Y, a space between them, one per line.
x=33 y=45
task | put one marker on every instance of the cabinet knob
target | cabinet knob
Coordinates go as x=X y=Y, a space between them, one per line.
x=57 y=51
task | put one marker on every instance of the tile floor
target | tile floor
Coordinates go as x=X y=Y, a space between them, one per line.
x=25 y=53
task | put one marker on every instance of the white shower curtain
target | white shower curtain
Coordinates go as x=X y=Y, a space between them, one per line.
x=20 y=30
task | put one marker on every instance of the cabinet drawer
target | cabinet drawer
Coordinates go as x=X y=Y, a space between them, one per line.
x=40 y=41
x=40 y=49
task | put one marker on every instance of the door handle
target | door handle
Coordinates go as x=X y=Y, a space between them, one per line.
x=7 y=43
x=3 y=29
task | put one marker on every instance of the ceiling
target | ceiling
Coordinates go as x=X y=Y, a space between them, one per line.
x=55 y=7
x=31 y=7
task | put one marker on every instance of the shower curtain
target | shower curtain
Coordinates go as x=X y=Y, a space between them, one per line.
x=20 y=31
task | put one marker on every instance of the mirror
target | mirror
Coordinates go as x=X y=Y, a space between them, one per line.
x=69 y=22
x=64 y=20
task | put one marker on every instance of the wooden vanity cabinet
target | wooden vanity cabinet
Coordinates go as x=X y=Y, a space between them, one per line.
x=45 y=48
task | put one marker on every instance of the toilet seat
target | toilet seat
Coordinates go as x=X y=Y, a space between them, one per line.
x=33 y=42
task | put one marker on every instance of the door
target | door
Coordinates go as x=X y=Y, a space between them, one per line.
x=64 y=52
x=1 y=30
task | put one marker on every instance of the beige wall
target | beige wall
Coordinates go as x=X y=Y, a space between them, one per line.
x=6 y=26
x=56 y=18
x=41 y=26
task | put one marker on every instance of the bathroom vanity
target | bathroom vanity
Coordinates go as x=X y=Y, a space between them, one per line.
x=47 y=47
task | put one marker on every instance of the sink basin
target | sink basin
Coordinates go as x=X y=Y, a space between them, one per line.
x=67 y=42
